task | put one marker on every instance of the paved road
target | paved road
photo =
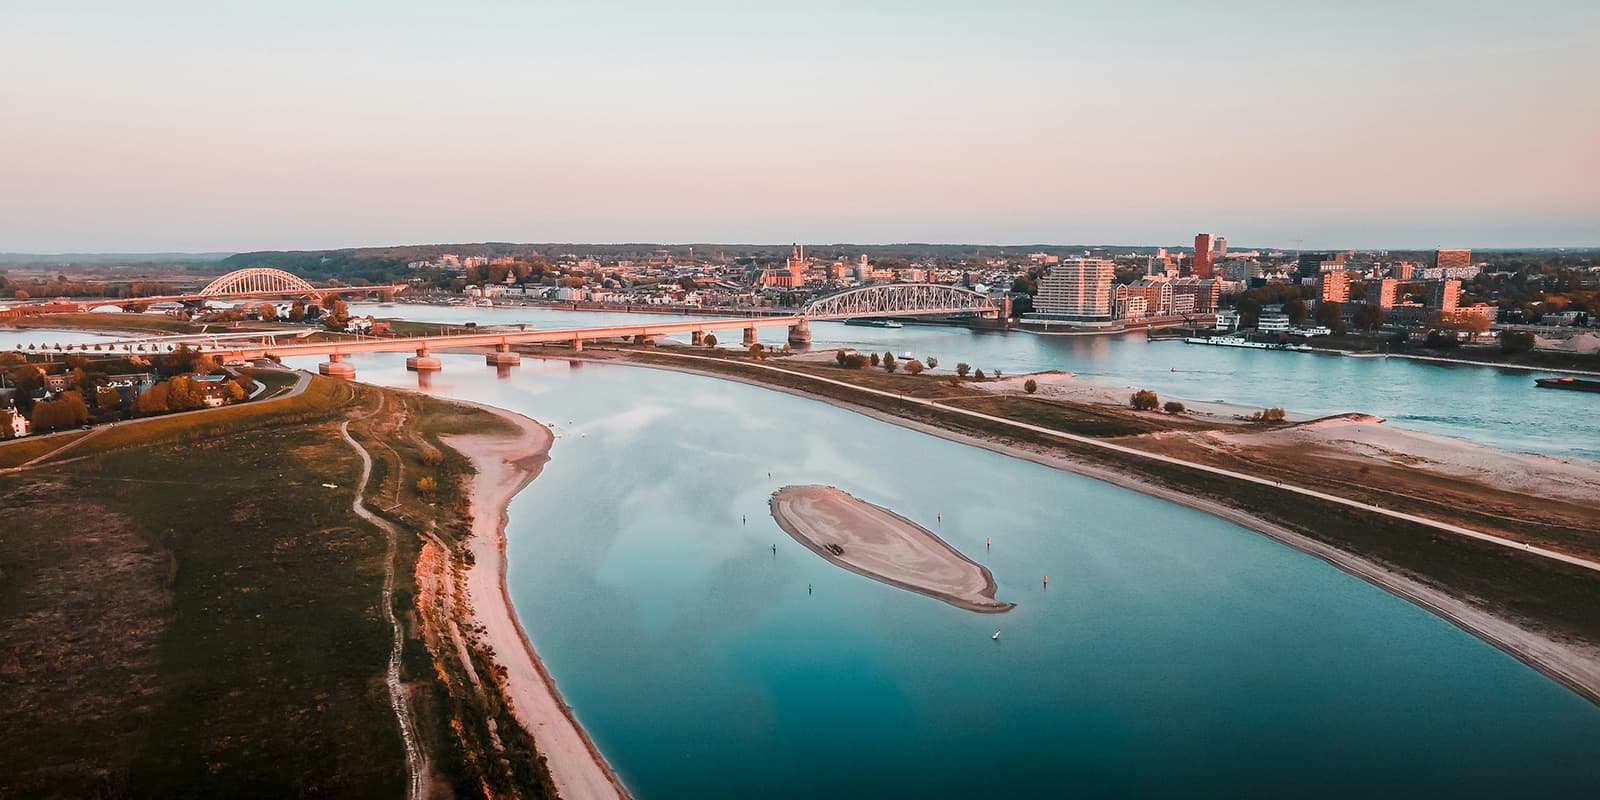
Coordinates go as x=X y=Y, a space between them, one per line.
x=1456 y=530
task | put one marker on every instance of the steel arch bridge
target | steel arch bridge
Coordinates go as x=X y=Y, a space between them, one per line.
x=257 y=280
x=901 y=300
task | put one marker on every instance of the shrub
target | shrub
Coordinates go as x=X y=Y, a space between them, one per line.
x=875 y=359
x=933 y=363
x=914 y=367
x=757 y=351
x=852 y=361
x=1512 y=342
x=431 y=455
x=426 y=486
x=711 y=340
x=1268 y=415
x=1173 y=407
x=1030 y=386
x=1144 y=400
x=979 y=375
x=963 y=368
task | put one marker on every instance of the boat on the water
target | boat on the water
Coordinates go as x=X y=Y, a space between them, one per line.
x=1240 y=341
x=996 y=634
x=872 y=322
x=1575 y=384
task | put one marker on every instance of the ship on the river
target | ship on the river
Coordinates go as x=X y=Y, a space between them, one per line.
x=1240 y=341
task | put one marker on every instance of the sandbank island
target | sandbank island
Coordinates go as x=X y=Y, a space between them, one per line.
x=882 y=545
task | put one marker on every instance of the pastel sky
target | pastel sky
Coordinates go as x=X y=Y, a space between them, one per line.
x=217 y=125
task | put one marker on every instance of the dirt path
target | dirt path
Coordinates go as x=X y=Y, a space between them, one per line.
x=416 y=766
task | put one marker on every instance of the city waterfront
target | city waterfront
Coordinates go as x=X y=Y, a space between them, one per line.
x=1167 y=645
x=1493 y=406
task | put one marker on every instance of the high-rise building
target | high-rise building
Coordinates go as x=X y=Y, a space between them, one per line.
x=1403 y=271
x=1452 y=259
x=1202 y=255
x=1381 y=293
x=1444 y=295
x=1314 y=264
x=1077 y=289
x=1334 y=286
x=1219 y=251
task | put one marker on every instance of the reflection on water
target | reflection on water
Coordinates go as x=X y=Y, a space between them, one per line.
x=1172 y=654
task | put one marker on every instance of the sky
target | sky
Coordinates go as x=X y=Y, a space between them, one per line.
x=306 y=124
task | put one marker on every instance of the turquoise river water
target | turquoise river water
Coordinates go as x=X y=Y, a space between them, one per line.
x=1171 y=654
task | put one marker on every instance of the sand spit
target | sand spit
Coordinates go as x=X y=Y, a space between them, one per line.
x=882 y=545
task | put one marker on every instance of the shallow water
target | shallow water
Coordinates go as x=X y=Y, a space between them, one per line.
x=1172 y=653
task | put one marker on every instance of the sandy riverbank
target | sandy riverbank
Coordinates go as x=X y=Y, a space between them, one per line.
x=505 y=465
x=880 y=544
x=1572 y=664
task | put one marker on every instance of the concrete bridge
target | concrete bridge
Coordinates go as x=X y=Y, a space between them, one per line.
x=502 y=341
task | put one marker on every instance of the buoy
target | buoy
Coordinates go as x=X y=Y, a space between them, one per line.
x=939 y=516
x=987 y=541
x=1047 y=580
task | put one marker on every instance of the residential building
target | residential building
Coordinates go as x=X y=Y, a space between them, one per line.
x=1219 y=250
x=1195 y=295
x=1154 y=295
x=1381 y=293
x=1202 y=256
x=1077 y=289
x=1313 y=264
x=1334 y=287
x=1452 y=259
x=1273 y=320
x=1443 y=295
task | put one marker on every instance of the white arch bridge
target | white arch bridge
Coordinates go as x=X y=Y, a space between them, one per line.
x=256 y=281
x=900 y=300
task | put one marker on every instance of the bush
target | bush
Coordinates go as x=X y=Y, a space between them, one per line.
x=1173 y=407
x=933 y=363
x=963 y=368
x=888 y=365
x=1512 y=342
x=874 y=359
x=1144 y=400
x=426 y=486
x=852 y=360
x=711 y=340
x=914 y=367
x=1268 y=415
x=757 y=351
x=1030 y=386
x=979 y=375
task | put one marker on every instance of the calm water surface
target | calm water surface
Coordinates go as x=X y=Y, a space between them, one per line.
x=1498 y=407
x=1172 y=654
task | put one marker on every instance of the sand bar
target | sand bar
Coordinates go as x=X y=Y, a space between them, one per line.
x=880 y=544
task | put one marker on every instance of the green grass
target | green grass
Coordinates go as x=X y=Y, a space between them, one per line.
x=16 y=452
x=116 y=323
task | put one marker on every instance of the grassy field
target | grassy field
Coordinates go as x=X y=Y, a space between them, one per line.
x=192 y=610
x=17 y=452
x=152 y=324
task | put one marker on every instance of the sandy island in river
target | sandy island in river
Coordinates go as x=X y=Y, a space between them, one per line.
x=884 y=546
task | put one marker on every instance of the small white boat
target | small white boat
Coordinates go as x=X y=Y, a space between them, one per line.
x=996 y=634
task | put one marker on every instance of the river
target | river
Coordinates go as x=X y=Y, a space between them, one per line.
x=1493 y=406
x=1171 y=654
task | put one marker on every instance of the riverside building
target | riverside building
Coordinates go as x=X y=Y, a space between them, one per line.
x=1076 y=290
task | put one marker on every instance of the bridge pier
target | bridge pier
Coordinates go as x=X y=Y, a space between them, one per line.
x=422 y=362
x=337 y=367
x=644 y=339
x=697 y=338
x=502 y=356
x=577 y=345
x=800 y=332
x=749 y=336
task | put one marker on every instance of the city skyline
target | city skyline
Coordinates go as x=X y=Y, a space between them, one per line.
x=190 y=128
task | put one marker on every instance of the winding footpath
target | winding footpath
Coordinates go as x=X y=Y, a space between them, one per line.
x=415 y=767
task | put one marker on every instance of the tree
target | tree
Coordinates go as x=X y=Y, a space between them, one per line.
x=1030 y=386
x=1269 y=415
x=914 y=367
x=933 y=363
x=1513 y=342
x=979 y=376
x=107 y=399
x=22 y=294
x=153 y=400
x=711 y=340
x=236 y=392
x=6 y=415
x=963 y=368
x=184 y=360
x=297 y=311
x=1331 y=316
x=1369 y=317
x=426 y=486
x=852 y=360
x=875 y=359
x=1173 y=407
x=1297 y=311
x=338 y=315
x=268 y=312
x=888 y=361
x=65 y=411
x=1144 y=400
